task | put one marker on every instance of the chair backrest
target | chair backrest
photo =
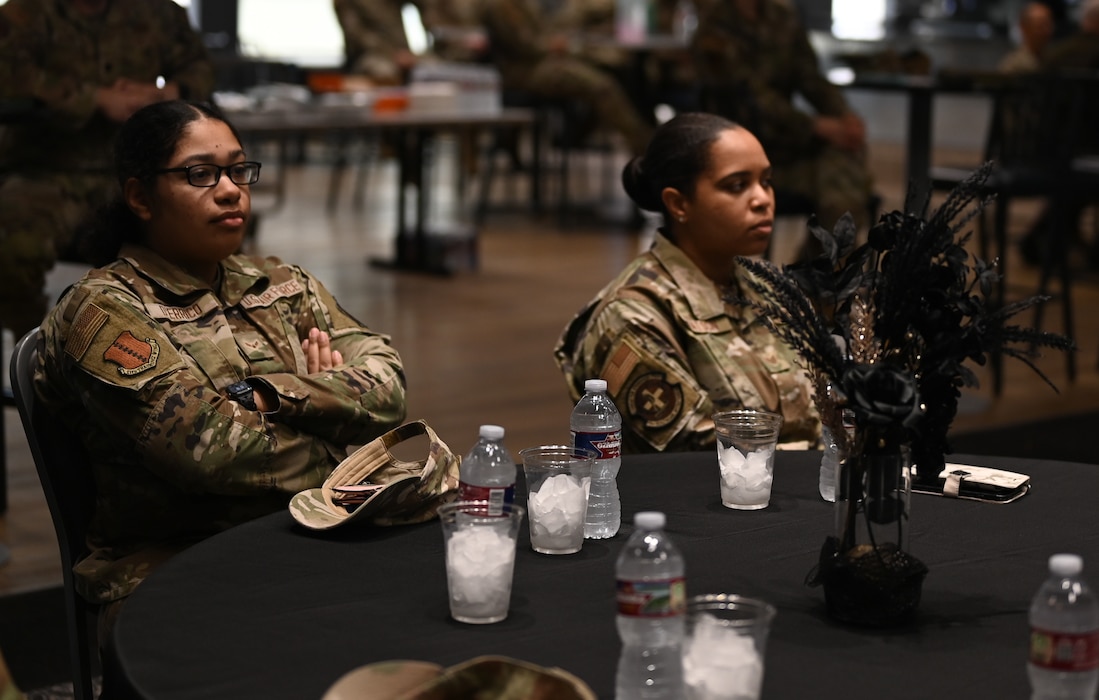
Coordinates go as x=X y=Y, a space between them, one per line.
x=1037 y=123
x=67 y=481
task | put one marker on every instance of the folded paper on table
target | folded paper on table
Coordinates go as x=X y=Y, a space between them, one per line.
x=406 y=491
x=978 y=484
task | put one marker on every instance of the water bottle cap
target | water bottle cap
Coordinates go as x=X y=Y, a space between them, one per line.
x=597 y=385
x=492 y=432
x=649 y=520
x=1066 y=564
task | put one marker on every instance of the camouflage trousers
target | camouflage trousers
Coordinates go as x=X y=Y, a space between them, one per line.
x=838 y=181
x=42 y=216
x=563 y=77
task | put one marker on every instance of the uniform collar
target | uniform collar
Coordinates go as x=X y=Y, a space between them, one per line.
x=238 y=274
x=702 y=295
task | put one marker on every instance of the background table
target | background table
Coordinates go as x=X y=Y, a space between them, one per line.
x=269 y=610
x=416 y=248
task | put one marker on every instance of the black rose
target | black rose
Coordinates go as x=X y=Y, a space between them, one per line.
x=881 y=394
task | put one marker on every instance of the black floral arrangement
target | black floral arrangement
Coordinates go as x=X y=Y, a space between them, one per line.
x=887 y=328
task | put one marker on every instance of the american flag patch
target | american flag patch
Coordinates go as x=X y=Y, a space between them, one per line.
x=83 y=330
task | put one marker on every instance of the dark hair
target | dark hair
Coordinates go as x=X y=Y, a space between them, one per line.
x=678 y=153
x=143 y=145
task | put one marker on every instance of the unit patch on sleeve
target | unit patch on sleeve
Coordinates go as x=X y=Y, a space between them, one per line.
x=655 y=400
x=132 y=356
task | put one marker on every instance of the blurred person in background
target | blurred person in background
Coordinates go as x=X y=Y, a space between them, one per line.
x=1080 y=51
x=207 y=387
x=754 y=57
x=534 y=57
x=456 y=33
x=666 y=333
x=1076 y=55
x=375 y=43
x=1035 y=23
x=83 y=66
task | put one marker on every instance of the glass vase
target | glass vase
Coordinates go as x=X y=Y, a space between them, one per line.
x=868 y=575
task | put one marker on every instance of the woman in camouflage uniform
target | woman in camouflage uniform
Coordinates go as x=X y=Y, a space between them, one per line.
x=207 y=387
x=664 y=334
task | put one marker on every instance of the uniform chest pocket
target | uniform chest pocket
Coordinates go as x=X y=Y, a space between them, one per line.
x=254 y=346
x=761 y=347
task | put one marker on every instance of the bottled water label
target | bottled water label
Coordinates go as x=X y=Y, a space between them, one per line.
x=496 y=496
x=1063 y=651
x=659 y=598
x=604 y=445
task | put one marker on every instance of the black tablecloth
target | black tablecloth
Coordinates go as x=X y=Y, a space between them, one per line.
x=270 y=610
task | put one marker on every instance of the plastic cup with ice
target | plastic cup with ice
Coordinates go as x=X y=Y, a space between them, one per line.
x=480 y=559
x=558 y=479
x=746 y=441
x=725 y=645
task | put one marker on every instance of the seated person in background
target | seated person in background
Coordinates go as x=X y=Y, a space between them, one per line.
x=206 y=387
x=753 y=56
x=1076 y=55
x=664 y=334
x=375 y=43
x=86 y=65
x=1080 y=51
x=1035 y=30
x=536 y=61
x=456 y=33
x=593 y=18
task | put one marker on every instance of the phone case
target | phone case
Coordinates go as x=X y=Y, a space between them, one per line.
x=978 y=484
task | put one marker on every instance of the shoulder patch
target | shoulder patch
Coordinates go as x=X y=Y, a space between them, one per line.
x=132 y=356
x=83 y=330
x=621 y=364
x=655 y=400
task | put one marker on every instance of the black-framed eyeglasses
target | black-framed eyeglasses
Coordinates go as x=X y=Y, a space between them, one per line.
x=208 y=174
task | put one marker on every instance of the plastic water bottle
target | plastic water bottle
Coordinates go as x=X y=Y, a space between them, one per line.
x=488 y=471
x=652 y=605
x=1064 y=634
x=596 y=425
x=829 y=463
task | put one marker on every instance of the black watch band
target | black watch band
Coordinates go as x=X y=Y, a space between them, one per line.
x=242 y=393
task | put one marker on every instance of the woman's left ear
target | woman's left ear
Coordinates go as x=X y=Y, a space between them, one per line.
x=136 y=196
x=674 y=203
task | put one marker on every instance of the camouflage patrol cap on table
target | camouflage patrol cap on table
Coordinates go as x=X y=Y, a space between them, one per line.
x=410 y=492
x=486 y=676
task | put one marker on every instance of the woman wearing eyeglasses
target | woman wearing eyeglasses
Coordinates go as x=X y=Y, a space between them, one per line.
x=207 y=386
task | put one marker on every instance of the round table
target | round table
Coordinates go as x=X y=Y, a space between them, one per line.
x=271 y=610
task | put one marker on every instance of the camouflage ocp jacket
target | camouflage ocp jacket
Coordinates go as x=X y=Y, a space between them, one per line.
x=673 y=352
x=136 y=358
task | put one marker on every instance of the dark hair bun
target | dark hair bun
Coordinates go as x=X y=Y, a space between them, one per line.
x=639 y=186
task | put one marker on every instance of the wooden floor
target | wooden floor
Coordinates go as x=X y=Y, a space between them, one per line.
x=477 y=346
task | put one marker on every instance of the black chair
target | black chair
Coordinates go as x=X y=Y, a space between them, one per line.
x=560 y=128
x=65 y=473
x=7 y=400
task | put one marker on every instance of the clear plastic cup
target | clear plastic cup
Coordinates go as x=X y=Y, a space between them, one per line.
x=480 y=559
x=558 y=482
x=724 y=648
x=746 y=441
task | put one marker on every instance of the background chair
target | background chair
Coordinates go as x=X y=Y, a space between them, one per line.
x=67 y=482
x=1037 y=126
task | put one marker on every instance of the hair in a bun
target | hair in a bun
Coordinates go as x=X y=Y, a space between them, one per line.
x=638 y=187
x=678 y=153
